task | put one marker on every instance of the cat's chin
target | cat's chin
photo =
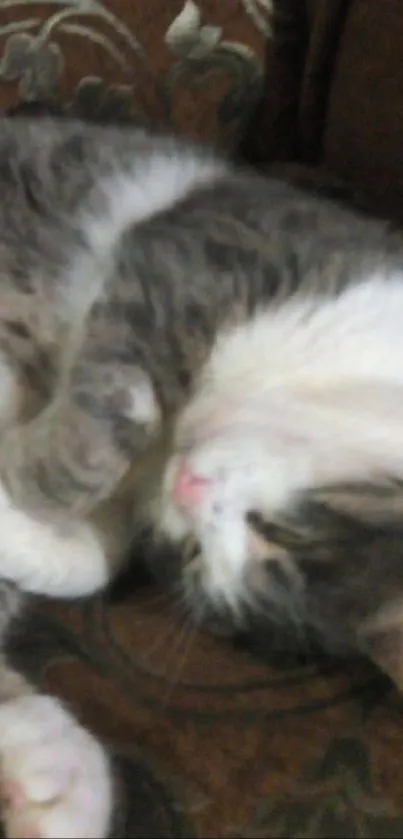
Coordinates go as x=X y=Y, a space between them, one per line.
x=176 y=567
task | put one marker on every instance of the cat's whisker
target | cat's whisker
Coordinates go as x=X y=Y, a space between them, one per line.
x=162 y=641
x=157 y=599
x=189 y=634
x=174 y=598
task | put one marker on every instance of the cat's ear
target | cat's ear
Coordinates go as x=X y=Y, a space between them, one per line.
x=379 y=502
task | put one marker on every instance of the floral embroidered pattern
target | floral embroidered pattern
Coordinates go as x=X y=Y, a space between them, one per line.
x=35 y=56
x=336 y=798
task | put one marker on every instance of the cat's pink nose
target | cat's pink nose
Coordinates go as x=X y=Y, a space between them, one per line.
x=188 y=488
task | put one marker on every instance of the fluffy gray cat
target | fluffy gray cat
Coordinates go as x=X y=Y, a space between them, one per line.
x=213 y=353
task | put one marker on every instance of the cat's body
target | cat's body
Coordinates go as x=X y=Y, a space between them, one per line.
x=188 y=346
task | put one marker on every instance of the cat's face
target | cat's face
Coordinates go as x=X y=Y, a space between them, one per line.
x=263 y=548
x=299 y=399
x=209 y=490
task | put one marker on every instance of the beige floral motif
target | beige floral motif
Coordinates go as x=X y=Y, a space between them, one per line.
x=261 y=12
x=336 y=797
x=37 y=66
x=187 y=38
x=33 y=56
x=200 y=50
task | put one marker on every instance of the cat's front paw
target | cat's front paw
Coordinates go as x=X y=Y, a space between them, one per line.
x=54 y=775
x=42 y=558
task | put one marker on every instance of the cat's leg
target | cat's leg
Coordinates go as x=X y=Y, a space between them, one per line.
x=51 y=559
x=75 y=452
x=55 y=777
x=40 y=557
x=66 y=559
x=57 y=468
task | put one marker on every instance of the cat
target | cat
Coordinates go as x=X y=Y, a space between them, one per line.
x=77 y=407
x=196 y=348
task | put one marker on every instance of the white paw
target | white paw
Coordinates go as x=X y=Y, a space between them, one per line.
x=42 y=559
x=55 y=777
x=143 y=406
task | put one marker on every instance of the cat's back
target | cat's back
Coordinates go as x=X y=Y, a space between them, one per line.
x=181 y=211
x=48 y=169
x=285 y=238
x=58 y=174
x=50 y=172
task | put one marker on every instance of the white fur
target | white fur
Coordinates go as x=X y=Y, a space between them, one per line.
x=55 y=776
x=144 y=408
x=309 y=392
x=9 y=392
x=129 y=198
x=152 y=187
x=42 y=559
x=34 y=554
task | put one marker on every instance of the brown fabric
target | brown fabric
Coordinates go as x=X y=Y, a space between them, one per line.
x=364 y=130
x=211 y=741
x=326 y=23
x=211 y=737
x=273 y=132
x=289 y=121
x=338 y=95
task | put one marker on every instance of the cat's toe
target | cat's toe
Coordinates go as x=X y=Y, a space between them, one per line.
x=54 y=775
